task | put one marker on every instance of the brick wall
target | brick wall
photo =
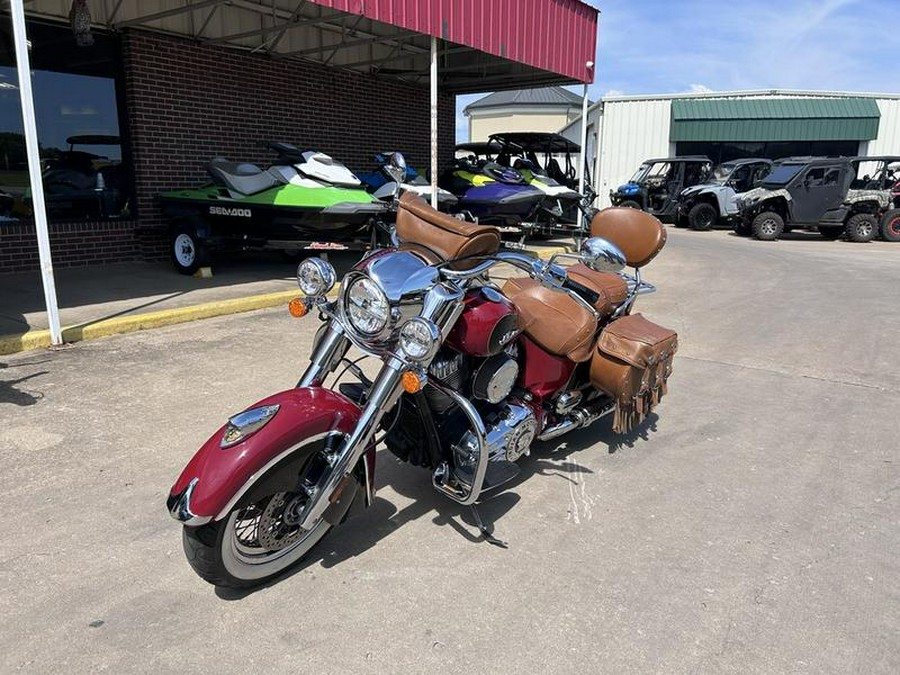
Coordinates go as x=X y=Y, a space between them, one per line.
x=187 y=103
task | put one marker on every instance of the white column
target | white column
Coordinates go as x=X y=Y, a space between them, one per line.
x=434 y=124
x=34 y=168
x=582 y=155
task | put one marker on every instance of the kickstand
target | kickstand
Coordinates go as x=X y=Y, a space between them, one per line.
x=486 y=532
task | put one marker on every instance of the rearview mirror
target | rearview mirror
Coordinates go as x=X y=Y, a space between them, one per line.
x=602 y=255
x=396 y=166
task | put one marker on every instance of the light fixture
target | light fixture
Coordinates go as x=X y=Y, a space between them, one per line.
x=80 y=18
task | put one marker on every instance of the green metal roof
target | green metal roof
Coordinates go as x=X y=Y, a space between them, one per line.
x=775 y=119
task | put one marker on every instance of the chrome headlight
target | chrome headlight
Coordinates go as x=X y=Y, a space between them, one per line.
x=419 y=339
x=315 y=277
x=367 y=306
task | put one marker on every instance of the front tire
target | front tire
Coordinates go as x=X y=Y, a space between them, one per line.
x=890 y=225
x=703 y=216
x=861 y=228
x=259 y=540
x=768 y=226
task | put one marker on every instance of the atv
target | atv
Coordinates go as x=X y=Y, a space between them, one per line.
x=878 y=178
x=703 y=206
x=812 y=192
x=657 y=184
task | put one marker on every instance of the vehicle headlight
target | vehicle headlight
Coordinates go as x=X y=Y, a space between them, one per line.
x=419 y=339
x=367 y=306
x=315 y=277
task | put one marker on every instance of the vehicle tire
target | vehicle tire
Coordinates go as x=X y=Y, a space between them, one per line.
x=630 y=204
x=230 y=553
x=831 y=233
x=188 y=253
x=861 y=227
x=890 y=225
x=703 y=216
x=767 y=226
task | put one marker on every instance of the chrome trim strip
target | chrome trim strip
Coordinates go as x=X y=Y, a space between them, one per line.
x=245 y=424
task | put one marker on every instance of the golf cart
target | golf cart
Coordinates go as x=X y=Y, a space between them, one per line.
x=657 y=184
x=813 y=192
x=701 y=207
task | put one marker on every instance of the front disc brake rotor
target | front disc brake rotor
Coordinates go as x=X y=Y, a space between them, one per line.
x=275 y=530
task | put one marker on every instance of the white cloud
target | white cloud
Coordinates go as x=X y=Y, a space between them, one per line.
x=699 y=89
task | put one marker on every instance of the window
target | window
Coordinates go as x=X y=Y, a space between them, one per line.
x=814 y=177
x=77 y=94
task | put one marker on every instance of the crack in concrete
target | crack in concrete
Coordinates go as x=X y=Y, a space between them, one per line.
x=818 y=378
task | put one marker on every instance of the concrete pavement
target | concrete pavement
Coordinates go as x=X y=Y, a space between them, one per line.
x=751 y=527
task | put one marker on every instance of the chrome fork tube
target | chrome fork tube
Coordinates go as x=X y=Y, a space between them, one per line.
x=326 y=354
x=383 y=395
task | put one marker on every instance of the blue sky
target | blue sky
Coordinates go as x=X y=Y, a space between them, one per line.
x=657 y=46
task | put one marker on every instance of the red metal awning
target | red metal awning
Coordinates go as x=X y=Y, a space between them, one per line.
x=557 y=36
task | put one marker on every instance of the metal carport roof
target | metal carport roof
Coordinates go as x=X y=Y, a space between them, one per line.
x=484 y=44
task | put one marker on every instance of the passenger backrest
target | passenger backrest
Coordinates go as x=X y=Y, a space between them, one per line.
x=639 y=235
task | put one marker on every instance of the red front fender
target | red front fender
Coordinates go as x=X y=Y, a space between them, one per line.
x=222 y=473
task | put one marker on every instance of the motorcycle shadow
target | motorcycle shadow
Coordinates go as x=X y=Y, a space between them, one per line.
x=362 y=532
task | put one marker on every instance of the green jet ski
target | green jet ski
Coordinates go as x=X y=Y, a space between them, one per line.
x=304 y=200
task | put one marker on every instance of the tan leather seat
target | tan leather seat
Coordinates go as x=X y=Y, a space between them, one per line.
x=639 y=235
x=611 y=289
x=553 y=319
x=447 y=237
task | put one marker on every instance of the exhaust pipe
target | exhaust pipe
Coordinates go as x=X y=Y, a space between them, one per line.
x=577 y=419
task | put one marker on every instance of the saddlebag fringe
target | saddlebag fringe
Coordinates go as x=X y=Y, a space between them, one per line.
x=632 y=363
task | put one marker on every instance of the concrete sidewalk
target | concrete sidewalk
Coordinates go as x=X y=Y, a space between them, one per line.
x=105 y=300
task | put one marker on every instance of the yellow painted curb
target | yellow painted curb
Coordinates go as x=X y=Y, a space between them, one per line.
x=38 y=339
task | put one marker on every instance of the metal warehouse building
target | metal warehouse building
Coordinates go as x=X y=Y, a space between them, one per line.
x=625 y=130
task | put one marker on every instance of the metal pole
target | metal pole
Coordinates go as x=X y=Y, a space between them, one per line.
x=34 y=168
x=434 y=123
x=583 y=153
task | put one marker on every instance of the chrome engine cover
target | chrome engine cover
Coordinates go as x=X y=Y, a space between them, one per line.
x=495 y=378
x=510 y=432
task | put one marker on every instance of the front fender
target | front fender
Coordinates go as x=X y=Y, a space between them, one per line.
x=216 y=477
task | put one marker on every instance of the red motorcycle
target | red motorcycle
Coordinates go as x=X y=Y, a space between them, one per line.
x=471 y=375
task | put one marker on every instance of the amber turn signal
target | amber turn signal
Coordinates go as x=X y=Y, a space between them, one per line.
x=297 y=308
x=412 y=383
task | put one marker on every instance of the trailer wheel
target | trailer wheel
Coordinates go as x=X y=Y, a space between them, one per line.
x=188 y=252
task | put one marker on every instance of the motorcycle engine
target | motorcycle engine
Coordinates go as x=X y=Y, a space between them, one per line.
x=510 y=430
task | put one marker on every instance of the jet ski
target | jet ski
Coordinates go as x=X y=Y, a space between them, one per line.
x=494 y=194
x=304 y=200
x=382 y=185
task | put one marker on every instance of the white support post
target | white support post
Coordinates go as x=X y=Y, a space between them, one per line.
x=34 y=168
x=582 y=156
x=434 y=124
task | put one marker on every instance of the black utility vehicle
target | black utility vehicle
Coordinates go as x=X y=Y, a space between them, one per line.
x=656 y=185
x=703 y=206
x=812 y=192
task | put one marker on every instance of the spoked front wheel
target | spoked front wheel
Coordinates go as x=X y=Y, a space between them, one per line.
x=259 y=540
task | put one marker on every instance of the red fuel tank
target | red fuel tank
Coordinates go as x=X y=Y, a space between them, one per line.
x=488 y=323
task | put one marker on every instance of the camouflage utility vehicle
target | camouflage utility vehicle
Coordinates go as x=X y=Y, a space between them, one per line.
x=701 y=207
x=814 y=192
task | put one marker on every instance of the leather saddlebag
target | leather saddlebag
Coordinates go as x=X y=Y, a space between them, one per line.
x=631 y=363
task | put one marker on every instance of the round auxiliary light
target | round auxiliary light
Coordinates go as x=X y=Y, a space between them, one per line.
x=419 y=339
x=315 y=277
x=367 y=306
